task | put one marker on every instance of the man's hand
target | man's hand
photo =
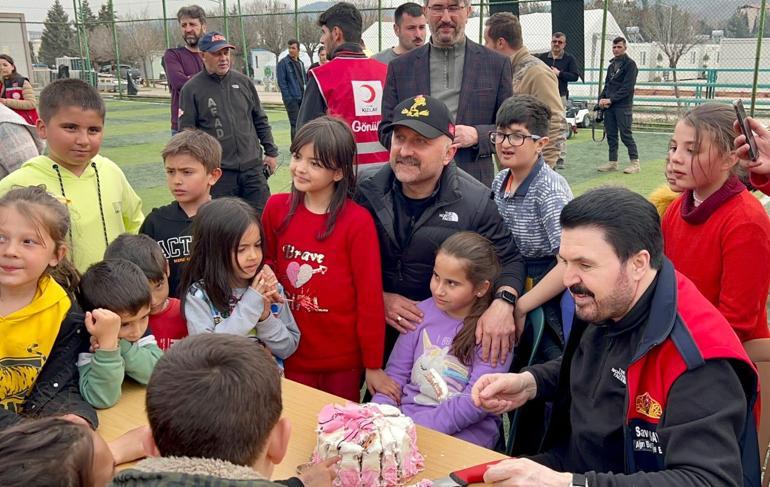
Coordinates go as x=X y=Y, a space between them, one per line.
x=321 y=474
x=555 y=71
x=762 y=138
x=495 y=331
x=466 y=136
x=271 y=162
x=499 y=393
x=378 y=381
x=401 y=313
x=523 y=472
x=104 y=326
x=605 y=103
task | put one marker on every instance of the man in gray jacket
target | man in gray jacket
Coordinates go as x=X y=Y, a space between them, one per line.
x=225 y=104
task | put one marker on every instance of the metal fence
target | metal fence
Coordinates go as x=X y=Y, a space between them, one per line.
x=688 y=51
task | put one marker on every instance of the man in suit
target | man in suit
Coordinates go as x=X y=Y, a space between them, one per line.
x=437 y=69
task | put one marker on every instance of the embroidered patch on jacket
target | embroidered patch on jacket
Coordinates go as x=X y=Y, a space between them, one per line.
x=648 y=406
x=449 y=216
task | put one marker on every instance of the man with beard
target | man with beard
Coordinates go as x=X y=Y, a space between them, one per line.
x=654 y=387
x=409 y=27
x=182 y=63
x=349 y=86
x=470 y=80
x=224 y=103
x=417 y=202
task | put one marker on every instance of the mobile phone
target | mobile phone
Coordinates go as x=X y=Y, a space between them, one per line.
x=740 y=112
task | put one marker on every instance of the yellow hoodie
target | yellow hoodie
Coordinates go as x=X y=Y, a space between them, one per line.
x=121 y=206
x=28 y=336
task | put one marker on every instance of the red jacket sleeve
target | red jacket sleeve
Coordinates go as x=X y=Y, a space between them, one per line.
x=269 y=226
x=364 y=252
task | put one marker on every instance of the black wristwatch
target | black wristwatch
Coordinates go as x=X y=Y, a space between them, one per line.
x=579 y=480
x=506 y=296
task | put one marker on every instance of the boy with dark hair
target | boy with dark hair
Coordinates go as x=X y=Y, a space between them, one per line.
x=166 y=321
x=102 y=203
x=115 y=296
x=209 y=426
x=192 y=160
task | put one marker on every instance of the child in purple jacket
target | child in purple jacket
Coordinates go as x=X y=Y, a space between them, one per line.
x=437 y=364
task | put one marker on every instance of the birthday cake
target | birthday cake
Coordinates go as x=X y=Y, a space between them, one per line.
x=377 y=443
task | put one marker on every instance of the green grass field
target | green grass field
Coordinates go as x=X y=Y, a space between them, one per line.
x=136 y=132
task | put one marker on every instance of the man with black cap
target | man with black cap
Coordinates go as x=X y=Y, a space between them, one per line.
x=417 y=202
x=225 y=104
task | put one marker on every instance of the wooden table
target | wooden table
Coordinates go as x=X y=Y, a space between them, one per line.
x=301 y=405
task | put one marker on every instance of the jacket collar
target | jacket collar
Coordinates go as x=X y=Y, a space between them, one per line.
x=348 y=49
x=198 y=466
x=663 y=311
x=519 y=55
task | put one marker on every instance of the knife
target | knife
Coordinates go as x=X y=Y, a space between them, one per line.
x=470 y=475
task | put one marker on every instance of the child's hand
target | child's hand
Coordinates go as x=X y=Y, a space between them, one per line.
x=266 y=284
x=321 y=474
x=104 y=326
x=378 y=381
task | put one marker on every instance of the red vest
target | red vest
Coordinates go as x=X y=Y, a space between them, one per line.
x=352 y=89
x=13 y=89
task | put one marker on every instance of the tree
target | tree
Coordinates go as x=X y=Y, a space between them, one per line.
x=101 y=45
x=276 y=29
x=86 y=16
x=57 y=39
x=738 y=26
x=671 y=28
x=106 y=12
x=139 y=38
x=309 y=33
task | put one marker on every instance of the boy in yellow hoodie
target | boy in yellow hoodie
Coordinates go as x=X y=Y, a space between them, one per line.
x=102 y=204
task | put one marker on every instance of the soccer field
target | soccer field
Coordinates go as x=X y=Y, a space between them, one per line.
x=136 y=132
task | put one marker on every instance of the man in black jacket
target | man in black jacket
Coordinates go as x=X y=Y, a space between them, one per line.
x=562 y=64
x=417 y=202
x=224 y=103
x=617 y=101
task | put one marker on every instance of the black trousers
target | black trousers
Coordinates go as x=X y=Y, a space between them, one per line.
x=292 y=110
x=249 y=184
x=618 y=119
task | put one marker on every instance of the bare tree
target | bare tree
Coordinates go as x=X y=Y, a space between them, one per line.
x=368 y=9
x=101 y=45
x=275 y=29
x=671 y=28
x=309 y=33
x=139 y=38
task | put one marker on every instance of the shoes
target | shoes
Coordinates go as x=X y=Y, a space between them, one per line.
x=610 y=166
x=633 y=167
x=560 y=164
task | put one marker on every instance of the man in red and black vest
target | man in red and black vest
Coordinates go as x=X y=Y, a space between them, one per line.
x=349 y=86
x=654 y=387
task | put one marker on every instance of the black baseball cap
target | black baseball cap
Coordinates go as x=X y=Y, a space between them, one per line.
x=425 y=115
x=213 y=42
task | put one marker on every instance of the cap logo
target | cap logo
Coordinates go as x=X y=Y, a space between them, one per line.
x=414 y=111
x=217 y=37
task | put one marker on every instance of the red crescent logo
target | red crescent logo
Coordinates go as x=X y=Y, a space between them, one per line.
x=372 y=93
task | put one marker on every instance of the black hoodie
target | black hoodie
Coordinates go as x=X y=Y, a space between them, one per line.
x=170 y=226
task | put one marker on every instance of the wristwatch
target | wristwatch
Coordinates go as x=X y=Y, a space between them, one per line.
x=506 y=296
x=579 y=480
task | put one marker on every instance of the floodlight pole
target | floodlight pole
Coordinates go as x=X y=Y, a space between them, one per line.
x=243 y=40
x=77 y=28
x=85 y=46
x=481 y=22
x=165 y=26
x=117 y=49
x=296 y=21
x=227 y=28
x=760 y=37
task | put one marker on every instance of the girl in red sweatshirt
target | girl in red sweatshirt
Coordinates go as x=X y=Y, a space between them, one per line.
x=716 y=233
x=325 y=252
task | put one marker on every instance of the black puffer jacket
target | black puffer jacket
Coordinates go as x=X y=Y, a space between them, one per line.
x=57 y=390
x=462 y=204
x=620 y=82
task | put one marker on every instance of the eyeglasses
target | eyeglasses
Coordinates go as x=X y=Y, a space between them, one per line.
x=514 y=139
x=439 y=9
x=557 y=42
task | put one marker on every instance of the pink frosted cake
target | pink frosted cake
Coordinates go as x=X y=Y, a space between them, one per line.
x=377 y=443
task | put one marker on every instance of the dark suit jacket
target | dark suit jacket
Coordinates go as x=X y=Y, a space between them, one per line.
x=486 y=84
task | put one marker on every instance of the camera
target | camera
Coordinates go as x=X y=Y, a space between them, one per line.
x=598 y=114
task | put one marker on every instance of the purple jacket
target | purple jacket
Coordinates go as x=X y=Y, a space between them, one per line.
x=435 y=385
x=180 y=65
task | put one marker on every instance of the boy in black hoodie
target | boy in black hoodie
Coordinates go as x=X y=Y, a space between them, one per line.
x=192 y=160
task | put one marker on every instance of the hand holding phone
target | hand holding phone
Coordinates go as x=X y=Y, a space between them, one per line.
x=743 y=124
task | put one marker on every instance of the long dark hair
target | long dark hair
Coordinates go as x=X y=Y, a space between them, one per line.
x=335 y=148
x=216 y=232
x=479 y=258
x=47 y=451
x=9 y=59
x=51 y=216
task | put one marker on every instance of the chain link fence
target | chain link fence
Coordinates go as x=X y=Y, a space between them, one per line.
x=687 y=51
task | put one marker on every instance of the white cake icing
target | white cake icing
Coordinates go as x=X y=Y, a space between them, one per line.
x=377 y=444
